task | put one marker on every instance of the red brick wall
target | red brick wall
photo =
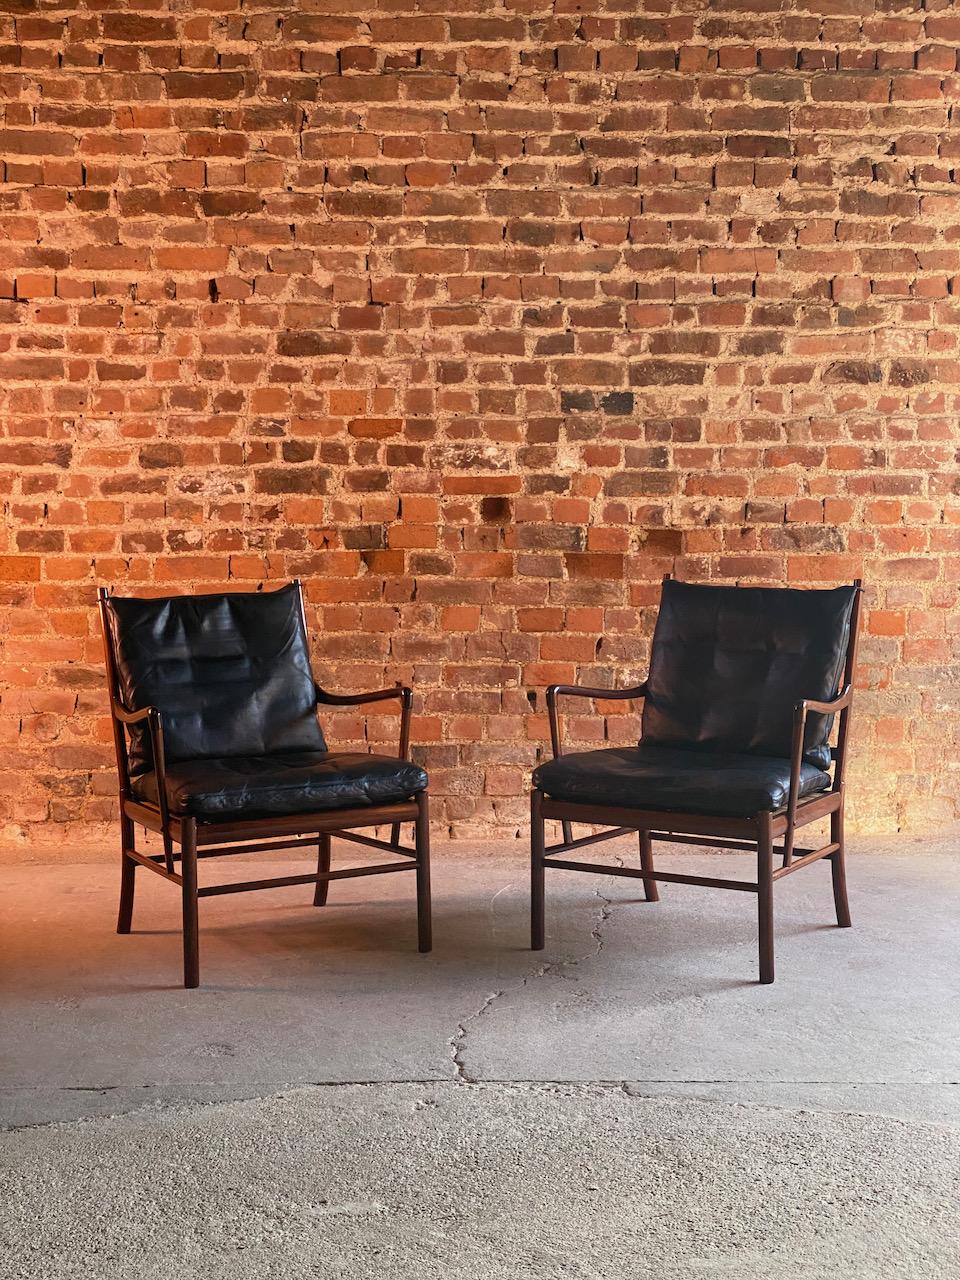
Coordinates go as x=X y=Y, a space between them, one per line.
x=479 y=319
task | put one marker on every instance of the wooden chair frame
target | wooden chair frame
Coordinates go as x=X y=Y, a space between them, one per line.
x=198 y=839
x=759 y=832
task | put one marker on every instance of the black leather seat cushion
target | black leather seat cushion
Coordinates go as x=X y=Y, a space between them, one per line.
x=654 y=777
x=293 y=782
x=729 y=664
x=230 y=673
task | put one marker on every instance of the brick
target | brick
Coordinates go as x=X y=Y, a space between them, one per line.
x=617 y=402
x=216 y=85
x=19 y=569
x=666 y=373
x=587 y=564
x=302 y=344
x=138 y=28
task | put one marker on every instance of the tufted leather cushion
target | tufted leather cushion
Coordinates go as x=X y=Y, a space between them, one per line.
x=729 y=664
x=295 y=782
x=229 y=673
x=655 y=777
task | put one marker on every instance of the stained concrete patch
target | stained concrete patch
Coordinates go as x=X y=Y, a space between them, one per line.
x=496 y=1182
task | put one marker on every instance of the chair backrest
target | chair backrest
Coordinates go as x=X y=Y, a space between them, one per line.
x=230 y=673
x=729 y=664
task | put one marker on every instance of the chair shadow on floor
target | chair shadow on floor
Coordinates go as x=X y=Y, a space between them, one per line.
x=290 y=946
x=373 y=941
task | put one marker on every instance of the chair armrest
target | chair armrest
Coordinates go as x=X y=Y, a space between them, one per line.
x=584 y=691
x=355 y=699
x=132 y=717
x=403 y=692
x=840 y=703
x=155 y=729
x=827 y=708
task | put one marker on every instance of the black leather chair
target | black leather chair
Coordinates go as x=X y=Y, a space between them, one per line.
x=220 y=751
x=738 y=710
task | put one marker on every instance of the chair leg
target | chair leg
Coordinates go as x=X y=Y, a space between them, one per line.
x=128 y=876
x=839 y=869
x=424 y=910
x=537 y=872
x=765 y=895
x=323 y=865
x=188 y=870
x=646 y=864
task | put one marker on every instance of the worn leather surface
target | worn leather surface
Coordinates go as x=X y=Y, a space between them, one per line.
x=229 y=673
x=292 y=782
x=655 y=777
x=729 y=664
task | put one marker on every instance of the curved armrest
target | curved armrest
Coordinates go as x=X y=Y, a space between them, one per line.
x=838 y=703
x=155 y=729
x=355 y=699
x=584 y=691
x=401 y=691
x=132 y=717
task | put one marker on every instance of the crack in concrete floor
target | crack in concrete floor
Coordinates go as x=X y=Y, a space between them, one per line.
x=458 y=1041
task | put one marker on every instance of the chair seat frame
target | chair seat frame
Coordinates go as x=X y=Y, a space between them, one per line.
x=757 y=832
x=187 y=840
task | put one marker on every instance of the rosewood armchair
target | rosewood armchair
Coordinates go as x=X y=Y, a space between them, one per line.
x=220 y=751
x=738 y=710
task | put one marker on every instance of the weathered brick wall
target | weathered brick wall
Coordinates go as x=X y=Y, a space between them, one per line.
x=479 y=318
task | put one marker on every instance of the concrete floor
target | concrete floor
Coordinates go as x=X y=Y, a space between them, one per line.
x=628 y=1102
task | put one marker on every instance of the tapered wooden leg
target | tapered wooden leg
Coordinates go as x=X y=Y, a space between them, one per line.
x=646 y=864
x=537 y=872
x=424 y=910
x=128 y=876
x=323 y=864
x=765 y=895
x=839 y=869
x=188 y=870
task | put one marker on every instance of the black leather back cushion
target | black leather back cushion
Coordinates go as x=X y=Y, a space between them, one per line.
x=229 y=673
x=730 y=663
